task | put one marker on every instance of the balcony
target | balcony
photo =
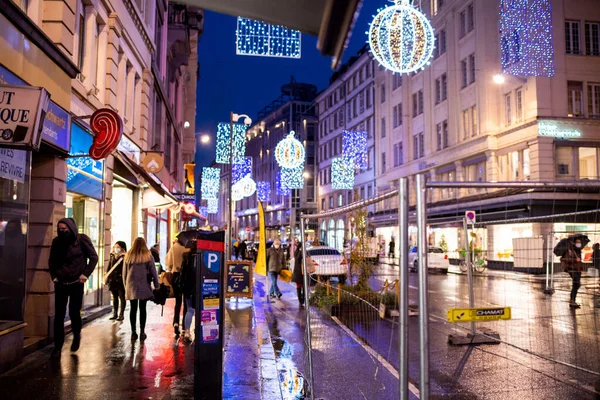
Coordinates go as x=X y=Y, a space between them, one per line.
x=184 y=17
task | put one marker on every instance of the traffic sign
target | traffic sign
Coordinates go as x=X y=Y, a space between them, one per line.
x=478 y=314
x=471 y=217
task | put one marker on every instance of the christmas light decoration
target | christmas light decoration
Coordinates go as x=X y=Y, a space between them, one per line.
x=211 y=180
x=279 y=188
x=212 y=206
x=526 y=41
x=238 y=145
x=354 y=148
x=241 y=168
x=289 y=152
x=257 y=38
x=247 y=186
x=342 y=174
x=236 y=192
x=401 y=38
x=291 y=178
x=263 y=190
x=203 y=211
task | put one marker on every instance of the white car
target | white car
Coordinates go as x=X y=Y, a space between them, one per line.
x=328 y=262
x=436 y=259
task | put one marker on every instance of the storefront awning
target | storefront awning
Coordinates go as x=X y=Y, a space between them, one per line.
x=155 y=195
x=330 y=20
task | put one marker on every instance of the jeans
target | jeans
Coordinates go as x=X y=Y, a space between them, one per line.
x=576 y=277
x=73 y=295
x=274 y=291
x=118 y=294
x=187 y=321
x=133 y=314
x=179 y=300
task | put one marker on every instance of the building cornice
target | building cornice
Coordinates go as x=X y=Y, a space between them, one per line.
x=139 y=24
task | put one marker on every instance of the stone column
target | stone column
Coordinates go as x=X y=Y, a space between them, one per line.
x=102 y=55
x=146 y=107
x=113 y=55
x=491 y=169
x=89 y=59
x=460 y=177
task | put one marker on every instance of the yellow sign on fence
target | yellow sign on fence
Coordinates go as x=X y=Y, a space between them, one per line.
x=478 y=314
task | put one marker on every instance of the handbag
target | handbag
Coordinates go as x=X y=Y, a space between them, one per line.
x=166 y=278
x=285 y=275
x=310 y=265
x=112 y=269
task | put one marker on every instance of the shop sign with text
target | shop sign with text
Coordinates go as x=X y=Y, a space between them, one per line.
x=12 y=164
x=22 y=111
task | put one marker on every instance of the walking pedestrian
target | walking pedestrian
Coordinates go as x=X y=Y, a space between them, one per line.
x=188 y=279
x=596 y=255
x=571 y=263
x=138 y=273
x=72 y=260
x=392 y=249
x=298 y=274
x=242 y=249
x=236 y=249
x=275 y=263
x=114 y=279
x=173 y=265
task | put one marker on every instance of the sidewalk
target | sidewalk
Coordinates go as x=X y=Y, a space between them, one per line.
x=109 y=366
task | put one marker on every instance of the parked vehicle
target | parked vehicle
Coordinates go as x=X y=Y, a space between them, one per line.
x=328 y=262
x=436 y=259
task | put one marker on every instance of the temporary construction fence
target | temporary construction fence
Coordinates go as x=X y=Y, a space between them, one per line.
x=369 y=343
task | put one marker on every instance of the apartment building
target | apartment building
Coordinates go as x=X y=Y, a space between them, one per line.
x=346 y=105
x=460 y=120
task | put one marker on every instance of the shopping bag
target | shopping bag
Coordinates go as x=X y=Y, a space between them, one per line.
x=166 y=278
x=285 y=275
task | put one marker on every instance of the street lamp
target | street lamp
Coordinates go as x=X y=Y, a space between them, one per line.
x=204 y=139
x=499 y=79
x=233 y=118
x=306 y=175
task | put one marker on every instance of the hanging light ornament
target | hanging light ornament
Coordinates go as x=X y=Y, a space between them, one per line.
x=289 y=152
x=247 y=186
x=236 y=192
x=401 y=38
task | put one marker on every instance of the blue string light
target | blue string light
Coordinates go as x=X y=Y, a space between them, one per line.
x=279 y=188
x=354 y=148
x=238 y=144
x=211 y=180
x=526 y=41
x=342 y=174
x=212 y=206
x=263 y=190
x=241 y=168
x=203 y=211
x=257 y=38
x=291 y=178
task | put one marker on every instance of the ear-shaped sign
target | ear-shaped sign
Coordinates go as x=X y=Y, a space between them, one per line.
x=108 y=129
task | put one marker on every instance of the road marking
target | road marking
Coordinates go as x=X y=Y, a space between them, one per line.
x=414 y=390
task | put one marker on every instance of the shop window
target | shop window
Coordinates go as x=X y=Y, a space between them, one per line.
x=564 y=162
x=575 y=98
x=588 y=163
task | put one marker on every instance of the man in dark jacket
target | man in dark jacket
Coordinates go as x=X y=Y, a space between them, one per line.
x=275 y=263
x=72 y=260
x=298 y=275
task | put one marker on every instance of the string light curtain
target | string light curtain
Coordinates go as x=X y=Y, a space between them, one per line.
x=279 y=188
x=291 y=178
x=212 y=206
x=263 y=191
x=211 y=180
x=342 y=174
x=257 y=38
x=354 y=148
x=526 y=41
x=238 y=144
x=241 y=168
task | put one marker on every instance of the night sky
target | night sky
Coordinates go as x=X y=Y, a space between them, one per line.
x=246 y=84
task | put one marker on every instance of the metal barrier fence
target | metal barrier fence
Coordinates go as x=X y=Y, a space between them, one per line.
x=531 y=345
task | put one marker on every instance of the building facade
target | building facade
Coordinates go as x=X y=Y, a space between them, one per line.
x=459 y=120
x=91 y=55
x=346 y=105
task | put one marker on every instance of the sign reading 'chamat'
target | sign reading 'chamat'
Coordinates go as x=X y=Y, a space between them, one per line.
x=22 y=111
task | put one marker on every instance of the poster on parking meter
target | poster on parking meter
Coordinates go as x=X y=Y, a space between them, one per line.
x=22 y=112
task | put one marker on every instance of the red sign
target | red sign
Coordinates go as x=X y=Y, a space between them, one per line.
x=108 y=129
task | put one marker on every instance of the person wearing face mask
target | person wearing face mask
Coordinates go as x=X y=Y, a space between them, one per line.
x=571 y=263
x=114 y=279
x=275 y=263
x=72 y=260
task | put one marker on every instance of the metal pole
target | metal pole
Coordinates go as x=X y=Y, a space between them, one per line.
x=469 y=270
x=403 y=288
x=307 y=308
x=423 y=286
x=230 y=190
x=548 y=261
x=550 y=243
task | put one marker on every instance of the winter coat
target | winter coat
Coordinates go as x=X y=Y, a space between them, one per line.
x=297 y=275
x=115 y=279
x=569 y=261
x=81 y=257
x=596 y=258
x=137 y=277
x=275 y=259
x=188 y=276
x=175 y=257
x=242 y=249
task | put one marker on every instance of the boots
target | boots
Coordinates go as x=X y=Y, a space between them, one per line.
x=300 y=295
x=114 y=316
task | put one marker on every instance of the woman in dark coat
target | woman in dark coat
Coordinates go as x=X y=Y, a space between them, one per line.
x=571 y=263
x=297 y=275
x=114 y=279
x=596 y=256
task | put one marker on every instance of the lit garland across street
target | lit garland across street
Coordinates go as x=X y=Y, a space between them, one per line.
x=257 y=38
x=290 y=152
x=291 y=178
x=280 y=190
x=211 y=180
x=212 y=206
x=526 y=41
x=241 y=168
x=354 y=148
x=238 y=145
x=263 y=191
x=401 y=38
x=342 y=174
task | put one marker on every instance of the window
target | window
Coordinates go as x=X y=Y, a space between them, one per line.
x=340 y=200
x=81 y=44
x=362 y=193
x=335 y=121
x=322 y=201
x=383 y=93
x=397 y=81
x=368 y=95
x=463 y=23
x=444 y=87
x=330 y=202
x=382 y=127
x=369 y=191
x=465 y=124
x=575 y=98
x=519 y=99
x=169 y=138
x=474 y=121
x=436 y=5
x=415 y=147
x=399 y=113
x=362 y=101
x=572 y=37
x=420 y=102
x=592 y=39
x=398 y=159
x=507 y=110
x=463 y=72
x=442 y=42
x=471 y=68
x=395 y=116
x=421 y=145
x=156 y=132
x=470 y=18
x=438 y=90
x=588 y=163
x=594 y=100
x=564 y=161
x=354 y=101
x=415 y=105
x=445 y=133
x=439 y=136
x=383 y=165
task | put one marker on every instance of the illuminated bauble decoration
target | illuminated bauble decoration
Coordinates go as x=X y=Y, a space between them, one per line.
x=289 y=152
x=236 y=192
x=248 y=186
x=401 y=38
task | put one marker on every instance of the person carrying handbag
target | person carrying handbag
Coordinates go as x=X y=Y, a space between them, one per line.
x=298 y=274
x=571 y=263
x=114 y=280
x=174 y=263
x=138 y=274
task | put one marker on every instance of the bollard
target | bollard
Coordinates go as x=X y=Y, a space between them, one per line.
x=339 y=293
x=328 y=287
